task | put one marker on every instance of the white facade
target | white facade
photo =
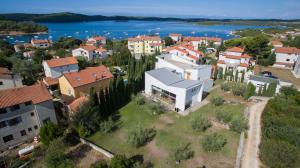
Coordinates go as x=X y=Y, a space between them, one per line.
x=296 y=70
x=56 y=72
x=169 y=86
x=23 y=124
x=285 y=60
x=40 y=43
x=186 y=70
x=88 y=54
x=7 y=82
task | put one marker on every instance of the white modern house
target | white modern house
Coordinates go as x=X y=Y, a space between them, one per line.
x=87 y=51
x=296 y=70
x=55 y=68
x=9 y=80
x=286 y=57
x=261 y=81
x=176 y=37
x=22 y=112
x=186 y=70
x=186 y=52
x=168 y=86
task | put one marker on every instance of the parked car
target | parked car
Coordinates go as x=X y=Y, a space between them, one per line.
x=267 y=73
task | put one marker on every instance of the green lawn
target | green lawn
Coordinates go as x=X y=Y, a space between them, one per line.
x=172 y=130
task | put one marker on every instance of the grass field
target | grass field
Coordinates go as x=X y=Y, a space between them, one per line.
x=172 y=130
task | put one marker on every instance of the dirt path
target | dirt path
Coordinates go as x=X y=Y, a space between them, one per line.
x=251 y=151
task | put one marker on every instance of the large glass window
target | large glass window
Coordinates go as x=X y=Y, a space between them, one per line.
x=8 y=138
x=14 y=121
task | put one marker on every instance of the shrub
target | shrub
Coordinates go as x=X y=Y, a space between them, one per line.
x=83 y=131
x=200 y=123
x=100 y=164
x=217 y=101
x=250 y=91
x=49 y=132
x=213 y=142
x=238 y=125
x=120 y=161
x=156 y=108
x=140 y=100
x=107 y=126
x=278 y=154
x=226 y=86
x=238 y=89
x=55 y=153
x=183 y=153
x=223 y=116
x=140 y=136
x=16 y=163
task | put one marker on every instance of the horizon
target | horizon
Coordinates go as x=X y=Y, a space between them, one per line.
x=214 y=9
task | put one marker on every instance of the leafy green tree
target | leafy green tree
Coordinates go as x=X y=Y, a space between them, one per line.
x=100 y=164
x=250 y=91
x=120 y=161
x=183 y=152
x=55 y=156
x=66 y=43
x=226 y=86
x=213 y=142
x=271 y=90
x=107 y=126
x=217 y=101
x=168 y=41
x=141 y=136
x=238 y=89
x=40 y=55
x=238 y=125
x=200 y=123
x=224 y=116
x=48 y=132
x=202 y=47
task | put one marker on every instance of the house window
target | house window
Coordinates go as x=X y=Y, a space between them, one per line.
x=23 y=133
x=15 y=107
x=14 y=121
x=3 y=111
x=1 y=82
x=8 y=138
x=287 y=59
x=3 y=124
x=32 y=114
x=29 y=129
x=36 y=127
x=28 y=103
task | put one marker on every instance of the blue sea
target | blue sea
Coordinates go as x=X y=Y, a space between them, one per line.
x=122 y=30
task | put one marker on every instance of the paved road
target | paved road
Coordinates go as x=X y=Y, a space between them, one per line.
x=251 y=151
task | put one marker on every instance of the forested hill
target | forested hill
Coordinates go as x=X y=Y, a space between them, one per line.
x=73 y=17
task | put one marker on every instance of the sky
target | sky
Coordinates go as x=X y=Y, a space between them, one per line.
x=245 y=9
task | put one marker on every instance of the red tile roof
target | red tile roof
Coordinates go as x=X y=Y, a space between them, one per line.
x=287 y=50
x=246 y=56
x=189 y=39
x=40 y=41
x=5 y=73
x=88 y=75
x=233 y=57
x=141 y=38
x=98 y=38
x=221 y=62
x=175 y=35
x=88 y=47
x=155 y=44
x=100 y=50
x=50 y=81
x=276 y=42
x=244 y=65
x=4 y=70
x=236 y=49
x=36 y=93
x=75 y=104
x=61 y=62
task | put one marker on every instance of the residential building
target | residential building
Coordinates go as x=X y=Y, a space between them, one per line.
x=9 y=80
x=296 y=70
x=198 y=41
x=286 y=56
x=145 y=45
x=40 y=43
x=75 y=104
x=76 y=84
x=167 y=86
x=28 y=54
x=261 y=81
x=51 y=83
x=87 y=51
x=276 y=43
x=96 y=41
x=23 y=111
x=101 y=53
x=176 y=37
x=187 y=52
x=55 y=68
x=186 y=70
x=235 y=58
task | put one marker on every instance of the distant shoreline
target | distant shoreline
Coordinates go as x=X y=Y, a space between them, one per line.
x=19 y=33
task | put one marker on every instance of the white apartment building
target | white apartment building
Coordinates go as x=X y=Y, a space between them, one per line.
x=296 y=70
x=22 y=112
x=145 y=45
x=87 y=51
x=186 y=70
x=197 y=41
x=286 y=57
x=9 y=80
x=166 y=85
x=187 y=52
x=55 y=68
x=176 y=37
x=96 y=41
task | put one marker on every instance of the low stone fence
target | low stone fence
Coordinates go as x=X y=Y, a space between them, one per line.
x=97 y=148
x=240 y=151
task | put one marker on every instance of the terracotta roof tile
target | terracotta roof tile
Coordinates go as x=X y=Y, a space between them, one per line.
x=88 y=47
x=244 y=65
x=175 y=35
x=276 y=42
x=287 y=50
x=221 y=62
x=36 y=93
x=75 y=104
x=50 y=81
x=142 y=38
x=61 y=62
x=88 y=75
x=40 y=41
x=98 y=38
x=236 y=49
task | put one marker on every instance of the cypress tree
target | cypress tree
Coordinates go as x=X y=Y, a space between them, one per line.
x=220 y=76
x=225 y=74
x=264 y=91
x=236 y=76
x=216 y=73
x=259 y=91
x=271 y=89
x=243 y=76
x=231 y=75
x=250 y=91
x=103 y=107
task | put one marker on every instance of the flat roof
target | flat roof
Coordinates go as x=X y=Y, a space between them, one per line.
x=167 y=77
x=263 y=79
